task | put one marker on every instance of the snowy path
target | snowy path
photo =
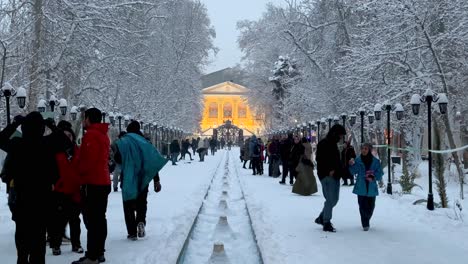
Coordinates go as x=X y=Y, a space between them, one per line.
x=170 y=216
x=223 y=219
x=400 y=232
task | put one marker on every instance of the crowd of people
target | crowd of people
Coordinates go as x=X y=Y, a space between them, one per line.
x=292 y=156
x=47 y=171
x=51 y=181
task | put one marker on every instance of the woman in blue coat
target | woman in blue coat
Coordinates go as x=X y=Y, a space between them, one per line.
x=369 y=172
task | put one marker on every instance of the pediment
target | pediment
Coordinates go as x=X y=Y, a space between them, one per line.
x=226 y=88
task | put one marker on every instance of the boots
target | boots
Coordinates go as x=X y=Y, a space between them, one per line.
x=328 y=227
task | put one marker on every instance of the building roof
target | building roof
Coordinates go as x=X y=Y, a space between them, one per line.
x=221 y=76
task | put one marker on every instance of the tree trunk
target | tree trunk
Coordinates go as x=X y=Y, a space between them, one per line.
x=35 y=83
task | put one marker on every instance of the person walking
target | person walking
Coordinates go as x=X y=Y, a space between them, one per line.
x=254 y=150
x=33 y=170
x=330 y=171
x=66 y=196
x=185 y=150
x=117 y=170
x=213 y=145
x=93 y=167
x=141 y=163
x=347 y=154
x=247 y=154
x=195 y=145
x=274 y=156
x=175 y=150
x=295 y=155
x=305 y=181
x=369 y=172
x=285 y=149
x=262 y=156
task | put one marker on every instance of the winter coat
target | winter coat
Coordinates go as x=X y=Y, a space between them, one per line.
x=174 y=147
x=295 y=155
x=33 y=168
x=247 y=149
x=69 y=182
x=307 y=151
x=252 y=145
x=140 y=163
x=285 y=148
x=274 y=148
x=305 y=182
x=328 y=159
x=363 y=187
x=206 y=143
x=185 y=145
x=93 y=164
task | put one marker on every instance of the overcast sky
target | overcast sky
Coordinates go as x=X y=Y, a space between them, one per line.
x=224 y=15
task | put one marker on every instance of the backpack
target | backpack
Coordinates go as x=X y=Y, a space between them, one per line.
x=256 y=150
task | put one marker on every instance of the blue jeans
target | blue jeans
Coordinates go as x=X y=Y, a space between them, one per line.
x=174 y=156
x=331 y=192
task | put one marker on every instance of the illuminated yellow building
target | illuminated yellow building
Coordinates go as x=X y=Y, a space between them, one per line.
x=226 y=101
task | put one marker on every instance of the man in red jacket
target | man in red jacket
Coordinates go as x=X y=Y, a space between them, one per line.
x=95 y=178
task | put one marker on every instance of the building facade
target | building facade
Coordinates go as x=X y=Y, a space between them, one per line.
x=226 y=101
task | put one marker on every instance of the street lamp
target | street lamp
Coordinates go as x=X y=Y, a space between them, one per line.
x=126 y=120
x=103 y=113
x=336 y=120
x=112 y=118
x=73 y=112
x=398 y=108
x=429 y=97
x=119 y=117
x=41 y=106
x=329 y=120
x=362 y=112
x=352 y=119
x=7 y=92
x=63 y=105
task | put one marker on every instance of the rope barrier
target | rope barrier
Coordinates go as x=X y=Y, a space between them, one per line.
x=446 y=151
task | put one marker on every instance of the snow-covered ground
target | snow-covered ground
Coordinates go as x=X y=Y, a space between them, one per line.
x=283 y=222
x=170 y=216
x=400 y=232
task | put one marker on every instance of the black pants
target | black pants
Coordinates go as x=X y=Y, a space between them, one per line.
x=286 y=171
x=30 y=239
x=366 y=209
x=94 y=214
x=185 y=152
x=135 y=212
x=64 y=211
x=256 y=165
x=213 y=151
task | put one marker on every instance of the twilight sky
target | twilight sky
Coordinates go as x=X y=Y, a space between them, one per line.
x=224 y=15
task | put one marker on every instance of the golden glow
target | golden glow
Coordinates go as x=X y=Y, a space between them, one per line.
x=225 y=101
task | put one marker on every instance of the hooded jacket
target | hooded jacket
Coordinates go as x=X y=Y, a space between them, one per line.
x=328 y=155
x=69 y=182
x=93 y=165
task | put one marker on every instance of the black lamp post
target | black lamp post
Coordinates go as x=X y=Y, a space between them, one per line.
x=119 y=117
x=362 y=112
x=318 y=130
x=398 y=108
x=329 y=120
x=103 y=116
x=7 y=92
x=429 y=97
x=343 y=118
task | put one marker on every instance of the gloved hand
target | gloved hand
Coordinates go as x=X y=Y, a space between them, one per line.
x=157 y=187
